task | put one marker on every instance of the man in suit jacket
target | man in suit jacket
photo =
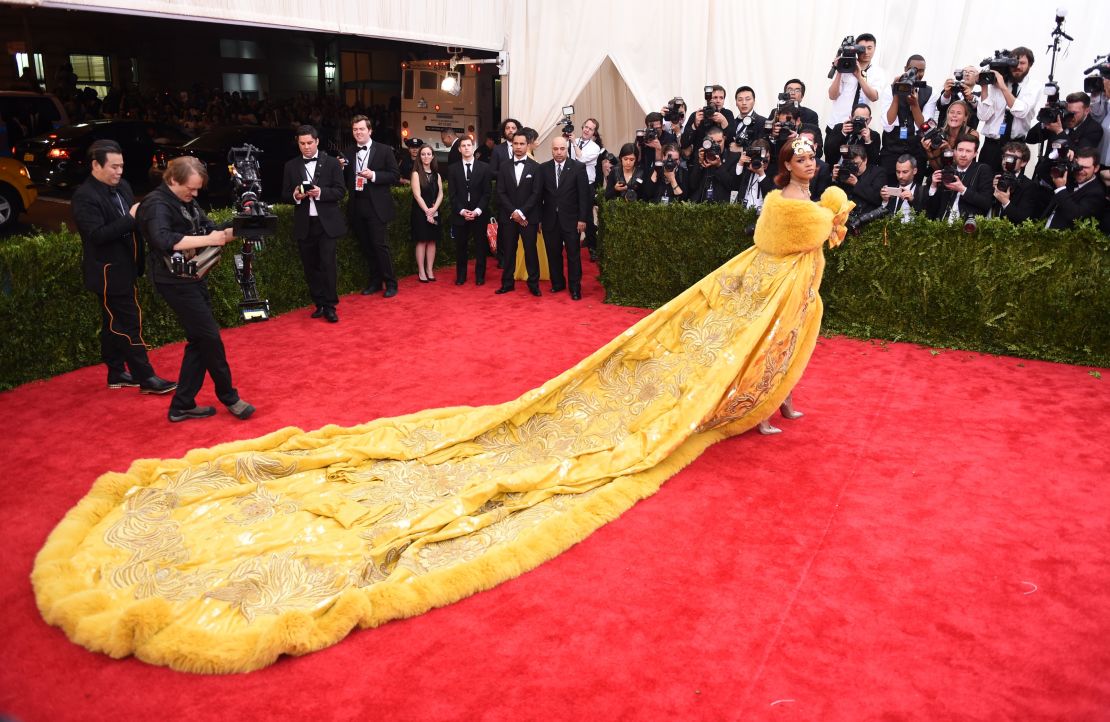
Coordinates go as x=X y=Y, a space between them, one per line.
x=502 y=152
x=911 y=194
x=967 y=192
x=1023 y=199
x=866 y=185
x=566 y=195
x=370 y=170
x=317 y=221
x=518 y=198
x=469 y=182
x=104 y=209
x=1083 y=198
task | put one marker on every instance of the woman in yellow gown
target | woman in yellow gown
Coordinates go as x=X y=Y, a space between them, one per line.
x=228 y=558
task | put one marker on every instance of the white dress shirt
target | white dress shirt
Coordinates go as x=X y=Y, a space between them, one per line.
x=841 y=111
x=309 y=171
x=992 y=110
x=586 y=152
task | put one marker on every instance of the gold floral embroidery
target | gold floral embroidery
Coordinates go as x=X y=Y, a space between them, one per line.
x=744 y=293
x=704 y=339
x=259 y=506
x=260 y=467
x=275 y=584
x=419 y=441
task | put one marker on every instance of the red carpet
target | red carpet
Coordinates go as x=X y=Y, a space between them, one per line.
x=929 y=542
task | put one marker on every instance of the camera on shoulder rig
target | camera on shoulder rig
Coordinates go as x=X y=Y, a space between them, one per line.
x=567 y=123
x=847 y=57
x=1092 y=83
x=1003 y=62
x=254 y=221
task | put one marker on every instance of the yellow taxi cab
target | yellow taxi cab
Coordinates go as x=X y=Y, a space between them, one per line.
x=17 y=192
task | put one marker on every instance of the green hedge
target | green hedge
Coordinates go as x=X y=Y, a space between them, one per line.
x=1018 y=290
x=50 y=323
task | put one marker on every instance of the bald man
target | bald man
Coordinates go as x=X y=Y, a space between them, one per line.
x=565 y=197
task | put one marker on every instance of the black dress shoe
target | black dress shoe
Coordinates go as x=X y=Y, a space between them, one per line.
x=460 y=283
x=330 y=315
x=197 y=412
x=576 y=295
x=121 y=380
x=556 y=289
x=535 y=291
x=503 y=289
x=390 y=292
x=318 y=312
x=479 y=281
x=157 y=385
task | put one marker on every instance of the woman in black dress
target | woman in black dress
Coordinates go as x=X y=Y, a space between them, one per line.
x=427 y=195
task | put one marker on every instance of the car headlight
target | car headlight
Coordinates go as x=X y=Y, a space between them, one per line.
x=23 y=171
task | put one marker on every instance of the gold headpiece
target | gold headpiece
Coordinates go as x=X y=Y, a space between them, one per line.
x=802 y=145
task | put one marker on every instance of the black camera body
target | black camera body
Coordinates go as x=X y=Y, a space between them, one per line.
x=1058 y=162
x=673 y=113
x=948 y=167
x=847 y=57
x=670 y=165
x=907 y=83
x=856 y=222
x=757 y=158
x=858 y=124
x=632 y=192
x=846 y=166
x=1002 y=62
x=1054 y=111
x=1008 y=178
x=935 y=135
x=649 y=135
x=711 y=149
x=1092 y=84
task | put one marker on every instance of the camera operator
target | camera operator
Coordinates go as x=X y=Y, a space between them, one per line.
x=906 y=104
x=1015 y=194
x=651 y=141
x=862 y=181
x=171 y=220
x=783 y=128
x=823 y=178
x=960 y=87
x=962 y=187
x=674 y=115
x=586 y=150
x=857 y=131
x=795 y=90
x=1075 y=125
x=748 y=124
x=699 y=124
x=753 y=182
x=627 y=178
x=1078 y=194
x=908 y=195
x=1008 y=107
x=848 y=89
x=711 y=179
x=670 y=179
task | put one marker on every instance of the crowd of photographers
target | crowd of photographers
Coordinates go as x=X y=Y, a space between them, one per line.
x=893 y=142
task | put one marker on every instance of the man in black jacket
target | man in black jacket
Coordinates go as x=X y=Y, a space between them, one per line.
x=314 y=181
x=370 y=170
x=865 y=184
x=566 y=197
x=469 y=182
x=908 y=196
x=518 y=199
x=1017 y=199
x=104 y=210
x=1083 y=197
x=963 y=190
x=171 y=221
x=711 y=175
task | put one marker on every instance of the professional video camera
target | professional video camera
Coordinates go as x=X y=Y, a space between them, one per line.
x=709 y=110
x=847 y=57
x=906 y=84
x=711 y=149
x=856 y=222
x=254 y=221
x=567 y=123
x=1092 y=84
x=1054 y=108
x=673 y=113
x=948 y=166
x=1008 y=179
x=1003 y=63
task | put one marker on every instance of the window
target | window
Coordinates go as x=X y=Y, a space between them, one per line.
x=248 y=85
x=22 y=60
x=245 y=49
x=92 y=71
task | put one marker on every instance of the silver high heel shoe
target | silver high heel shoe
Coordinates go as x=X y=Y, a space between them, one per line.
x=788 y=411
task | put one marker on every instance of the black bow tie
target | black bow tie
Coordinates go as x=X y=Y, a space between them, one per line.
x=518 y=162
x=310 y=160
x=362 y=148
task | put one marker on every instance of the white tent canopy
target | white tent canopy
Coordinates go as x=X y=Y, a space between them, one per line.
x=647 y=51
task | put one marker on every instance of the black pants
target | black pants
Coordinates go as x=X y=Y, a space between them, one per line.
x=318 y=259
x=555 y=240
x=121 y=340
x=466 y=234
x=373 y=239
x=591 y=227
x=204 y=349
x=515 y=232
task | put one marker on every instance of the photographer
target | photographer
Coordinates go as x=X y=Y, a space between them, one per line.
x=587 y=150
x=674 y=115
x=848 y=89
x=748 y=125
x=962 y=187
x=1015 y=195
x=753 y=182
x=906 y=103
x=1083 y=197
x=711 y=178
x=907 y=196
x=783 y=128
x=1008 y=106
x=703 y=120
x=954 y=126
x=1072 y=123
x=670 y=179
x=795 y=90
x=171 y=221
x=960 y=86
x=857 y=131
x=627 y=179
x=652 y=140
x=862 y=181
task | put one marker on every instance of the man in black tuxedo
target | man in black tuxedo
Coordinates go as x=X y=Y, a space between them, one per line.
x=1076 y=127
x=518 y=198
x=722 y=118
x=796 y=89
x=315 y=183
x=865 y=185
x=749 y=169
x=1083 y=197
x=502 y=152
x=1021 y=199
x=370 y=169
x=963 y=190
x=469 y=181
x=910 y=195
x=748 y=124
x=566 y=196
x=104 y=209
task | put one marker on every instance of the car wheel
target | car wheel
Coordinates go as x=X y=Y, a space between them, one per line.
x=10 y=208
